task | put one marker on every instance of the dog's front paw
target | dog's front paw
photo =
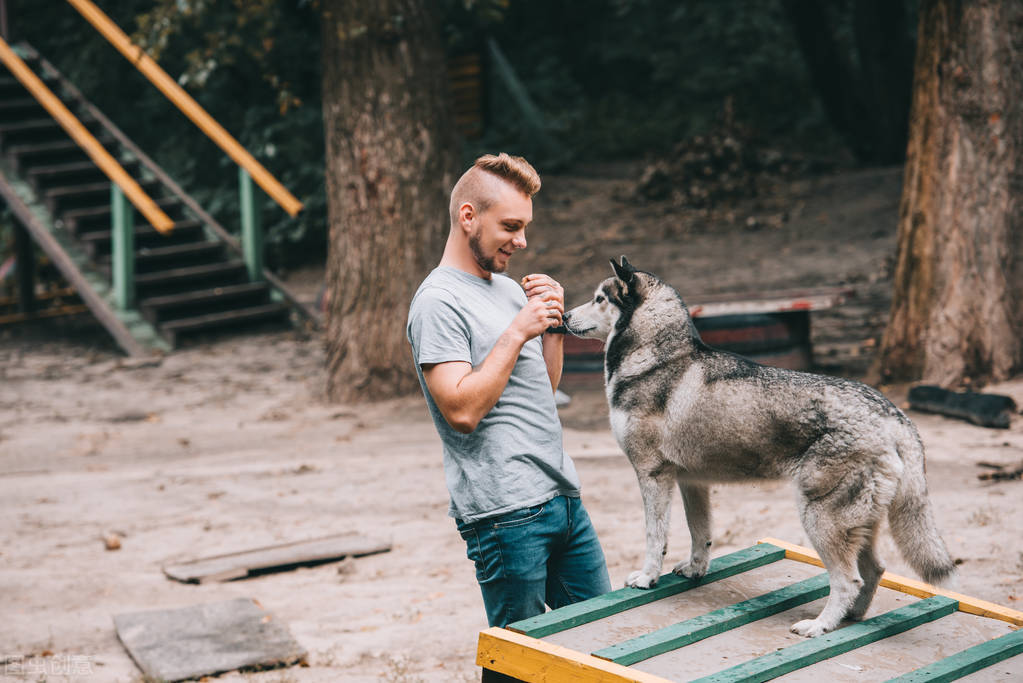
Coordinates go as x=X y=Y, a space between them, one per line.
x=690 y=570
x=809 y=628
x=640 y=579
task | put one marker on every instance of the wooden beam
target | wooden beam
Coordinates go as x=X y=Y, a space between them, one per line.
x=968 y=661
x=623 y=599
x=60 y=258
x=188 y=106
x=80 y=134
x=279 y=557
x=911 y=586
x=822 y=647
x=713 y=623
x=523 y=657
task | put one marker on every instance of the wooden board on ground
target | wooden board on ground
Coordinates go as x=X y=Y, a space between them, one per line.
x=274 y=558
x=733 y=625
x=205 y=640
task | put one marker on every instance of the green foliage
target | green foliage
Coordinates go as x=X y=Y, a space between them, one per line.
x=624 y=77
x=612 y=78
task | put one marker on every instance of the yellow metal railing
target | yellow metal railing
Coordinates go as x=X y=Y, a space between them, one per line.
x=89 y=144
x=176 y=94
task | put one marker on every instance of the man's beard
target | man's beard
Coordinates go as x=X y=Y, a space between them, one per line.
x=485 y=262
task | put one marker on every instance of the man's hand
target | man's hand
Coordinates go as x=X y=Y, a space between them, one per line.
x=544 y=288
x=536 y=317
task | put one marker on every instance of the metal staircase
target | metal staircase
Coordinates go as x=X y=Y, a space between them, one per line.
x=189 y=281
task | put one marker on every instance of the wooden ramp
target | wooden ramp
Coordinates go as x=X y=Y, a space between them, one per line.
x=733 y=625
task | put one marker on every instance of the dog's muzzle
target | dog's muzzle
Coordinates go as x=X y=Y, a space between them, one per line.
x=561 y=329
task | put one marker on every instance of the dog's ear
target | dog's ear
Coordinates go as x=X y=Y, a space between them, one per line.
x=624 y=272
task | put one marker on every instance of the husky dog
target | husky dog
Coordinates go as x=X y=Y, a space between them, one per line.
x=689 y=414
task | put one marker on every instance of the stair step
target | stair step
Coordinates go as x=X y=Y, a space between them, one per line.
x=261 y=313
x=32 y=130
x=150 y=259
x=44 y=177
x=177 y=280
x=27 y=156
x=204 y=301
x=98 y=241
x=9 y=83
x=42 y=129
x=66 y=197
x=225 y=293
x=16 y=108
x=98 y=217
x=179 y=249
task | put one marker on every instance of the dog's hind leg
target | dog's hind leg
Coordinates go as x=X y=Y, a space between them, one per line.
x=871 y=570
x=655 y=487
x=696 y=500
x=839 y=551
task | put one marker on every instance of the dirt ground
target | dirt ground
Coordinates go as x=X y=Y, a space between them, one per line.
x=229 y=445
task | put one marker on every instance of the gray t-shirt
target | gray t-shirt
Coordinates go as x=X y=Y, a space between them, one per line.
x=514 y=458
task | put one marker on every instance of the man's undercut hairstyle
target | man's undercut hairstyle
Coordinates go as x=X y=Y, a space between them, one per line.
x=514 y=170
x=475 y=187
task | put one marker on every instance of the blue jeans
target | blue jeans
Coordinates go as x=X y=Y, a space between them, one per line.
x=543 y=554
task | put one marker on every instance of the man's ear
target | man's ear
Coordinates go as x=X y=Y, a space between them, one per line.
x=624 y=272
x=466 y=215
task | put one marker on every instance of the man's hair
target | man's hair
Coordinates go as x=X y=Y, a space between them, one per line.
x=473 y=186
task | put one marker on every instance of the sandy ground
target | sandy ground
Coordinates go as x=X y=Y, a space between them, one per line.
x=229 y=445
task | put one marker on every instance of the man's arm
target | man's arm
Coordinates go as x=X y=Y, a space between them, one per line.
x=464 y=394
x=554 y=357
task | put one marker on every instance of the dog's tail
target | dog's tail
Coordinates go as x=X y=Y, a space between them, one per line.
x=912 y=520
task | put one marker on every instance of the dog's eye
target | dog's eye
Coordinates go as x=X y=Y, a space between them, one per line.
x=599 y=299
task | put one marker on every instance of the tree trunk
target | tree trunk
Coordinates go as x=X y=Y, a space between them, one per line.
x=957 y=311
x=390 y=157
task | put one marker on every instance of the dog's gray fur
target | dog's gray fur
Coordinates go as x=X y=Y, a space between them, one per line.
x=689 y=414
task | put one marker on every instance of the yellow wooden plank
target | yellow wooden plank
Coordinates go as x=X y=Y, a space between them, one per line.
x=910 y=586
x=89 y=144
x=530 y=659
x=176 y=94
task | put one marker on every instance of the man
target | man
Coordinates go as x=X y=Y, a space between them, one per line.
x=489 y=373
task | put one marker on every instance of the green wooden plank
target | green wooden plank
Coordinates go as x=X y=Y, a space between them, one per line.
x=252 y=225
x=835 y=643
x=968 y=661
x=623 y=599
x=122 y=260
x=711 y=624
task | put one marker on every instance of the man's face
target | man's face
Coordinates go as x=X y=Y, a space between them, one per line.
x=500 y=231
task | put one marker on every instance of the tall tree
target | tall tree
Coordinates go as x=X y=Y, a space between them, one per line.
x=957 y=311
x=390 y=157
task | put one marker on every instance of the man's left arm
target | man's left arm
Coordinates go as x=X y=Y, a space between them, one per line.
x=553 y=344
x=554 y=356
